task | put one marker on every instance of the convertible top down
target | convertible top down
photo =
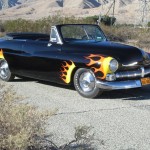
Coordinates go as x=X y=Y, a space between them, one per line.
x=74 y=53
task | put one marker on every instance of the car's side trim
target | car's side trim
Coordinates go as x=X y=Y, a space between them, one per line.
x=116 y=85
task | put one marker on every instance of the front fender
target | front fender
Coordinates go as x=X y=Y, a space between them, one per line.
x=99 y=64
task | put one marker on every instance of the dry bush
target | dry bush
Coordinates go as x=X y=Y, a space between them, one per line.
x=22 y=127
x=83 y=140
x=19 y=122
x=127 y=34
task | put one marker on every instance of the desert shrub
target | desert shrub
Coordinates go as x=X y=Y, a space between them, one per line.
x=22 y=127
x=92 y=19
x=2 y=28
x=42 y=25
x=107 y=20
x=120 y=34
x=19 y=122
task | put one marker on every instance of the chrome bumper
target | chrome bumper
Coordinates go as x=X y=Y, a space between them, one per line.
x=116 y=85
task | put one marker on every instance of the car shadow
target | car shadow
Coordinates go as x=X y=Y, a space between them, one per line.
x=130 y=94
x=69 y=87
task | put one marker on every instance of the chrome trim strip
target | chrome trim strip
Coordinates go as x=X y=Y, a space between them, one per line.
x=116 y=85
x=133 y=74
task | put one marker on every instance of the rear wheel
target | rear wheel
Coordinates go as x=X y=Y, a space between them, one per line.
x=85 y=83
x=5 y=73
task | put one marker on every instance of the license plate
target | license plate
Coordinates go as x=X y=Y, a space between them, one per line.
x=145 y=81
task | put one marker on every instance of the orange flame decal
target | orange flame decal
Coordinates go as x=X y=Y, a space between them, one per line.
x=66 y=71
x=1 y=54
x=99 y=64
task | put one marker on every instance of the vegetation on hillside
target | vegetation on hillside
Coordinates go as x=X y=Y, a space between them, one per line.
x=121 y=33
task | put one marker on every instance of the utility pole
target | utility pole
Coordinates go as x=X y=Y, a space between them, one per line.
x=114 y=4
x=111 y=8
x=144 y=10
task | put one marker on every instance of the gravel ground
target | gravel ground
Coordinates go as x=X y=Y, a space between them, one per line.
x=121 y=119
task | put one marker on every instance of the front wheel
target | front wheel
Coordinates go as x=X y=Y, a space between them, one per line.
x=5 y=73
x=85 y=83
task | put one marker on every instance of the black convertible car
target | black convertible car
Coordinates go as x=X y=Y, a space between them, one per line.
x=74 y=53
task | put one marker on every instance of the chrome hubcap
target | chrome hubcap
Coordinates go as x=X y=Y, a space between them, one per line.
x=4 y=69
x=87 y=82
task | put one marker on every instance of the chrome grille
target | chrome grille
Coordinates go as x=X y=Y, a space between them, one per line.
x=142 y=72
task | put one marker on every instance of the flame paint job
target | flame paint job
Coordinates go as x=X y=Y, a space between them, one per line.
x=99 y=64
x=1 y=54
x=66 y=71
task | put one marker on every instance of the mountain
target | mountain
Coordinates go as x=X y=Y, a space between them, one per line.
x=4 y=4
x=10 y=3
x=126 y=11
x=62 y=3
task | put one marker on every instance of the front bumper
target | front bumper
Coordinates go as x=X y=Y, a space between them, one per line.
x=130 y=79
x=117 y=85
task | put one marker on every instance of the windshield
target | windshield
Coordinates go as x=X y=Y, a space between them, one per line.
x=82 y=33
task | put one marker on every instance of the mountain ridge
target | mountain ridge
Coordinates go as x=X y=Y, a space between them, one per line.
x=126 y=11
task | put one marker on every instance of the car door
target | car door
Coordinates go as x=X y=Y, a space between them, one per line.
x=41 y=60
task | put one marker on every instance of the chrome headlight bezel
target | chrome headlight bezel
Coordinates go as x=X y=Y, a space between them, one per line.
x=114 y=65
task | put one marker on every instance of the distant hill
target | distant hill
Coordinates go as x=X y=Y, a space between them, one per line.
x=62 y=3
x=10 y=3
x=126 y=11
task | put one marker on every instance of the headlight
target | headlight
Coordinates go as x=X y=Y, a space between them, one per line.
x=113 y=65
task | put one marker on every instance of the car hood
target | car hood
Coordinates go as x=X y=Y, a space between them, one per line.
x=125 y=54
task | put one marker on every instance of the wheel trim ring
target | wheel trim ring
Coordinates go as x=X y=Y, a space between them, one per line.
x=4 y=69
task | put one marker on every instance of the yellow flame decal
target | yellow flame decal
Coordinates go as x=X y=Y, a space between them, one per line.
x=66 y=71
x=1 y=54
x=101 y=64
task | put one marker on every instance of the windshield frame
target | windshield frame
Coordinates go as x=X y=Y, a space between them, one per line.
x=59 y=27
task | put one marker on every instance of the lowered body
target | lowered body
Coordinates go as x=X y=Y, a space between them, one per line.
x=79 y=54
